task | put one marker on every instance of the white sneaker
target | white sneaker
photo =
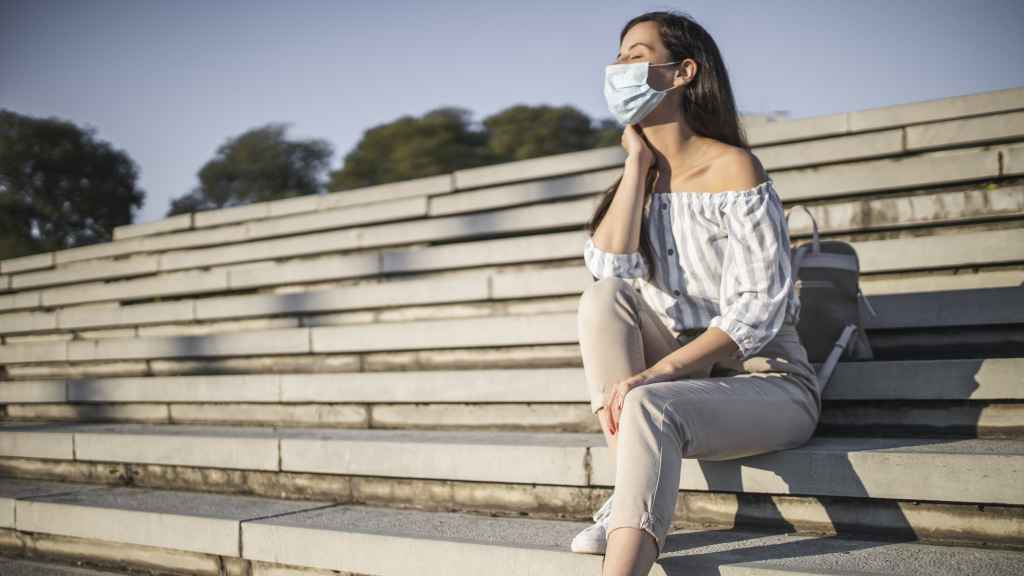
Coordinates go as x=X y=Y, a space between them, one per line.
x=594 y=539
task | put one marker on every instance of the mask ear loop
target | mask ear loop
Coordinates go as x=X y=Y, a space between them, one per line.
x=665 y=64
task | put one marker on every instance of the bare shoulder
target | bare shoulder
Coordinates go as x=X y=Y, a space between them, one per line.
x=736 y=169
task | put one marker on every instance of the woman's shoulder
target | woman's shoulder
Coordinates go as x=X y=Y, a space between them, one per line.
x=736 y=169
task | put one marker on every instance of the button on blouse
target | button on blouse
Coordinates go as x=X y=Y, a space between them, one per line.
x=722 y=260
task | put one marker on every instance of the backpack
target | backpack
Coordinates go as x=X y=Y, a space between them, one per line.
x=831 y=322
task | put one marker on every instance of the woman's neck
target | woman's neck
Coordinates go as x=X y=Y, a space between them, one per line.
x=676 y=147
x=678 y=151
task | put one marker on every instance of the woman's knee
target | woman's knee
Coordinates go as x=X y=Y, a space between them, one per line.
x=600 y=298
x=644 y=405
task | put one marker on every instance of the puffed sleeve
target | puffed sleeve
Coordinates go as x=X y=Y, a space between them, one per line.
x=756 y=271
x=608 y=264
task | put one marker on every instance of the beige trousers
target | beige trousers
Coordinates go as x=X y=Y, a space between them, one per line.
x=767 y=402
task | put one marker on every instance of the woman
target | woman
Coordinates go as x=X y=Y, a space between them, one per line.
x=688 y=336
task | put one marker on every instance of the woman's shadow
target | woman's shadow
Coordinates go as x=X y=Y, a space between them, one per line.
x=823 y=471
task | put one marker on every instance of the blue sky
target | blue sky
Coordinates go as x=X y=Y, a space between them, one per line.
x=170 y=81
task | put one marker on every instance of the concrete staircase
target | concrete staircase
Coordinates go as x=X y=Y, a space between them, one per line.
x=387 y=380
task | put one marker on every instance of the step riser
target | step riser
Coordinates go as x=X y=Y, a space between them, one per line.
x=968 y=419
x=973 y=420
x=334 y=452
x=965 y=342
x=836 y=466
x=567 y=279
x=999 y=526
x=122 y=556
x=969 y=344
x=961 y=342
x=951 y=380
x=535 y=417
x=975 y=164
x=105 y=554
x=552 y=356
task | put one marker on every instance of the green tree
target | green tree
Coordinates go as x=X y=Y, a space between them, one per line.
x=259 y=165
x=608 y=133
x=60 y=187
x=440 y=142
x=522 y=132
x=445 y=140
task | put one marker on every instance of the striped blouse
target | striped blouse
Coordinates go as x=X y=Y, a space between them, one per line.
x=723 y=261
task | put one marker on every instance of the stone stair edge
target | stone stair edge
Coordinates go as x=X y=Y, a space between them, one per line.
x=853 y=127
x=947 y=379
x=39 y=261
x=476 y=253
x=847 y=466
x=541 y=542
x=958 y=307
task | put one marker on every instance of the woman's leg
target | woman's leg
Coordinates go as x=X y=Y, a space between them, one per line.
x=619 y=336
x=718 y=418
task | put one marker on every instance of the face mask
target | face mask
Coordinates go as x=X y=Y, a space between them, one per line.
x=629 y=96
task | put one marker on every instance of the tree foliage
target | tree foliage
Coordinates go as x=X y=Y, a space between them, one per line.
x=60 y=187
x=522 y=132
x=445 y=140
x=441 y=141
x=259 y=165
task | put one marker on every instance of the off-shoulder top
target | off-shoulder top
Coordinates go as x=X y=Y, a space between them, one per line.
x=723 y=259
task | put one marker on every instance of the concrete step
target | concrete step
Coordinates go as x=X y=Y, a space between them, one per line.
x=831 y=138
x=52 y=286
x=923 y=326
x=370 y=195
x=257 y=229
x=185 y=532
x=925 y=520
x=973 y=379
x=937 y=308
x=946 y=128
x=975 y=419
x=943 y=309
x=266 y=240
x=986 y=248
x=970 y=398
x=452 y=333
x=540 y=218
x=515 y=357
x=854 y=467
x=13 y=567
x=896 y=141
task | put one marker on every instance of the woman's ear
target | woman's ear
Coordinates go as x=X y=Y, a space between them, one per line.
x=685 y=73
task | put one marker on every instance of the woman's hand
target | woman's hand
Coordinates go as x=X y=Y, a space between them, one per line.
x=616 y=395
x=635 y=143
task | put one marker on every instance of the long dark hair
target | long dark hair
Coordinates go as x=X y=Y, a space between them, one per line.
x=706 y=103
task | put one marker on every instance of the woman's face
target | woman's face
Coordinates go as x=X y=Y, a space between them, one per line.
x=642 y=43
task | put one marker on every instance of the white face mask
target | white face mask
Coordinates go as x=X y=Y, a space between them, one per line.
x=630 y=98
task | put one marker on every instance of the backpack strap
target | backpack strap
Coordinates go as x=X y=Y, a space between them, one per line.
x=814 y=225
x=798 y=258
x=824 y=372
x=800 y=252
x=867 y=303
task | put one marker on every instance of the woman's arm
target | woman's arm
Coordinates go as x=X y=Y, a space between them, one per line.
x=613 y=249
x=619 y=231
